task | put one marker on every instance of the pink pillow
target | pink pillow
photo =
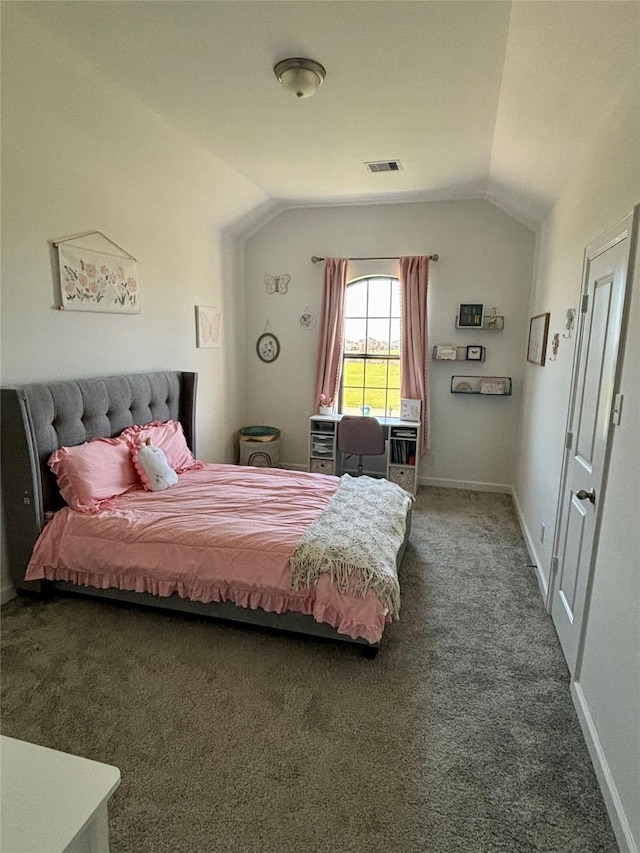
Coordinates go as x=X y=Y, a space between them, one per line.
x=168 y=437
x=92 y=473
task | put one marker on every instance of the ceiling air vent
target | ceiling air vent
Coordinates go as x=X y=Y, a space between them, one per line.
x=384 y=166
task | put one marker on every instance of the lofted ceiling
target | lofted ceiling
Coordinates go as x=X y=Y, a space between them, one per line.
x=476 y=98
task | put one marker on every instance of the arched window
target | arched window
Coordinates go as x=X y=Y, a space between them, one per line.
x=371 y=355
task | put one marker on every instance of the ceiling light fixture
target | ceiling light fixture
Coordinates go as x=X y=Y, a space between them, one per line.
x=301 y=77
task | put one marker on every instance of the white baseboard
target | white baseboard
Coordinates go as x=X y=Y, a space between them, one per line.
x=619 y=822
x=469 y=485
x=531 y=548
x=7 y=593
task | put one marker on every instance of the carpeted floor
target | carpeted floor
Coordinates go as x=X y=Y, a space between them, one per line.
x=459 y=738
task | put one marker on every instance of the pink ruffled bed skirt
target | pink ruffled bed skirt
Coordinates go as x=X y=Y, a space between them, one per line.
x=346 y=620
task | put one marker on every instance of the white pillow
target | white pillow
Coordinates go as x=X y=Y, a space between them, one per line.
x=155 y=472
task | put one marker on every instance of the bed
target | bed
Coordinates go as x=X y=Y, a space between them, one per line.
x=42 y=419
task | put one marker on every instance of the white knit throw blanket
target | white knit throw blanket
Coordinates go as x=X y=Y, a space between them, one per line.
x=358 y=534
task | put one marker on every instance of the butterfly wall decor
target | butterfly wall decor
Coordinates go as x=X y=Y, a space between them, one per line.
x=277 y=283
x=208 y=321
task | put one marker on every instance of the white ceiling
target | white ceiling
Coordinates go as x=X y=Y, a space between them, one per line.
x=478 y=99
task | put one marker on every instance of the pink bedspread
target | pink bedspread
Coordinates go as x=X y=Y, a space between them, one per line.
x=224 y=533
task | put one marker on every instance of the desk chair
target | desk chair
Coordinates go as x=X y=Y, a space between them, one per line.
x=360 y=436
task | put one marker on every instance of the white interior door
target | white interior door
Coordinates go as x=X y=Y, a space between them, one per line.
x=590 y=419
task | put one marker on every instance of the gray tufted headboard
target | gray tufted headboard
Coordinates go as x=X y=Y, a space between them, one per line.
x=39 y=418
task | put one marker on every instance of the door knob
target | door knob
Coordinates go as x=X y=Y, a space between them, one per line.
x=583 y=496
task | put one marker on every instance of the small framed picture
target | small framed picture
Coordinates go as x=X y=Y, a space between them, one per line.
x=207 y=326
x=410 y=409
x=307 y=320
x=538 y=332
x=475 y=353
x=470 y=315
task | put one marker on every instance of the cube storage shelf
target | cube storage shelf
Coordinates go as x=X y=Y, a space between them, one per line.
x=487 y=386
x=322 y=445
x=402 y=455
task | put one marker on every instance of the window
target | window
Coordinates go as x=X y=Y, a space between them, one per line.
x=371 y=355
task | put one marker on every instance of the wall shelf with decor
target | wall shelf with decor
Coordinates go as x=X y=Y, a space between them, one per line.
x=488 y=386
x=451 y=352
x=474 y=315
x=493 y=324
x=489 y=324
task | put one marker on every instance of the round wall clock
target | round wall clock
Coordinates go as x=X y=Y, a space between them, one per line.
x=268 y=347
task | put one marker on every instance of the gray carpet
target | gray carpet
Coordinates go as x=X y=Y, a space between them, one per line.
x=461 y=735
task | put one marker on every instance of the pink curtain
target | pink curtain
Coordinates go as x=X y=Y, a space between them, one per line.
x=414 y=369
x=331 y=329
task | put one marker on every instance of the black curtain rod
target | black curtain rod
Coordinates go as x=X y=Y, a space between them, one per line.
x=315 y=259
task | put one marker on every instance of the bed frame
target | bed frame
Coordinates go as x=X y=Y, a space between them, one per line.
x=39 y=418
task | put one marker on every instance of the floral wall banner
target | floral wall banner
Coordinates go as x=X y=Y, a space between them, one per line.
x=91 y=280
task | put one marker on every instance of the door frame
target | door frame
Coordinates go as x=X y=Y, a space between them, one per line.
x=626 y=228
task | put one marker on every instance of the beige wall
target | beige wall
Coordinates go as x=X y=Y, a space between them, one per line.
x=77 y=154
x=485 y=256
x=603 y=188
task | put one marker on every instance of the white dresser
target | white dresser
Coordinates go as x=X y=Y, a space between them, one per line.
x=52 y=802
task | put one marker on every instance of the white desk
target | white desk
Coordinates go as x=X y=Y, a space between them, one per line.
x=399 y=461
x=52 y=802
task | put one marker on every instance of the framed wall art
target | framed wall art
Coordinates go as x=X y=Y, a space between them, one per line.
x=475 y=352
x=208 y=323
x=268 y=347
x=307 y=319
x=410 y=409
x=538 y=333
x=470 y=315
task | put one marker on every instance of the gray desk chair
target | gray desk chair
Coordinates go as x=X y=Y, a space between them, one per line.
x=360 y=436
